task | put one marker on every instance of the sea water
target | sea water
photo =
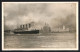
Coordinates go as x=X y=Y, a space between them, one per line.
x=51 y=40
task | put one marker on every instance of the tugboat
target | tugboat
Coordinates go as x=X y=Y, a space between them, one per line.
x=26 y=29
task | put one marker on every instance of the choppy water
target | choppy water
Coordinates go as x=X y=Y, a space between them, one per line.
x=54 y=40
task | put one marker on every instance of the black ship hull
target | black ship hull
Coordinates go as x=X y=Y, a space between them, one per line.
x=27 y=32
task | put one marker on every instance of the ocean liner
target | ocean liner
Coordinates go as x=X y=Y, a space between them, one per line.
x=26 y=29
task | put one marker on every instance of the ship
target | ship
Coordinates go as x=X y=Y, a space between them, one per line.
x=26 y=29
x=61 y=30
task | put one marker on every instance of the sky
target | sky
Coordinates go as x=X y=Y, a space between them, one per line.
x=54 y=14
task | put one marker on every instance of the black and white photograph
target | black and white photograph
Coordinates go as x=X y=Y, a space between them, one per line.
x=39 y=25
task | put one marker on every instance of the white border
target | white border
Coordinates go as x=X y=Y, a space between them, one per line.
x=77 y=35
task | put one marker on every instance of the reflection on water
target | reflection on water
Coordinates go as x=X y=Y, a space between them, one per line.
x=55 y=40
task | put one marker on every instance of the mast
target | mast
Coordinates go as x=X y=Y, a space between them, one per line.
x=17 y=17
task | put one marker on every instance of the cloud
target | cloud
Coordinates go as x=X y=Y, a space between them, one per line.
x=52 y=13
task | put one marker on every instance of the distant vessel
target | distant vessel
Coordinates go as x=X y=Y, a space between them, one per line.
x=63 y=29
x=45 y=29
x=26 y=29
